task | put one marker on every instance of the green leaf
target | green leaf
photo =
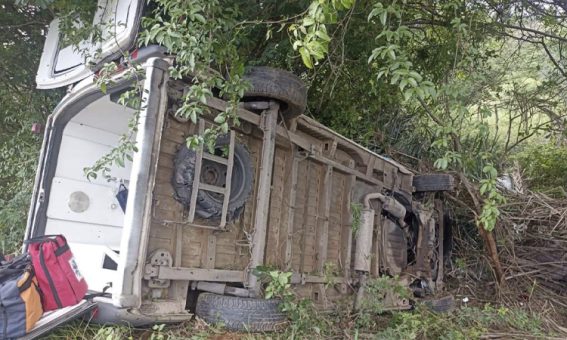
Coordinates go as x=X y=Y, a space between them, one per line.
x=200 y=18
x=384 y=17
x=305 y=57
x=403 y=84
x=392 y=54
x=219 y=119
x=347 y=3
x=323 y=35
x=224 y=127
x=416 y=75
x=308 y=21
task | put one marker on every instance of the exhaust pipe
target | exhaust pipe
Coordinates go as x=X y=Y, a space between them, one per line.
x=364 y=236
x=363 y=246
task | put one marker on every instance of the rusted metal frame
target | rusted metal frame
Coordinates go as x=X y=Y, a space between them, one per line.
x=213 y=188
x=323 y=230
x=179 y=288
x=192 y=225
x=377 y=239
x=344 y=169
x=396 y=180
x=219 y=288
x=370 y=166
x=347 y=224
x=228 y=180
x=332 y=149
x=221 y=105
x=199 y=274
x=275 y=242
x=440 y=250
x=197 y=185
x=306 y=144
x=269 y=125
x=291 y=210
x=324 y=130
x=216 y=158
x=211 y=251
x=178 y=245
x=292 y=126
x=305 y=216
x=197 y=176
x=325 y=206
x=422 y=248
x=301 y=278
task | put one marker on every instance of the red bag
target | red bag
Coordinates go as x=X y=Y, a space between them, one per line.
x=57 y=272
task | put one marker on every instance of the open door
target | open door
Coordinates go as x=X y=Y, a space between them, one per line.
x=62 y=65
x=106 y=241
x=56 y=318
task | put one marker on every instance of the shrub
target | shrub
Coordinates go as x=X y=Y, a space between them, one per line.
x=544 y=166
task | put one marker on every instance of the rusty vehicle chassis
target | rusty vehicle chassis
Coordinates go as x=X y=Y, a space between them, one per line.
x=377 y=173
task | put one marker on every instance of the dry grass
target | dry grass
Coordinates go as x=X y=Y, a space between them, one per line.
x=532 y=246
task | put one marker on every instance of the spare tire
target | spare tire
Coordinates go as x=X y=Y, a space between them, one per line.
x=433 y=182
x=283 y=86
x=209 y=204
x=241 y=314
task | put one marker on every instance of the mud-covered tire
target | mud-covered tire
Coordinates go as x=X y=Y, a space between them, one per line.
x=442 y=305
x=283 y=86
x=433 y=182
x=209 y=205
x=241 y=314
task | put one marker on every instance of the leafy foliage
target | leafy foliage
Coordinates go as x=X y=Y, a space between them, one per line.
x=203 y=37
x=20 y=106
x=545 y=166
x=466 y=323
x=376 y=293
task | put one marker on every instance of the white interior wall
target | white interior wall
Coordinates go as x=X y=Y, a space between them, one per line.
x=95 y=231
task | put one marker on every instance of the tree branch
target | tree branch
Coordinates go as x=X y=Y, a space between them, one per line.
x=557 y=66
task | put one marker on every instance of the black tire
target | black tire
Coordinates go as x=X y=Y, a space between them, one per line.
x=433 y=182
x=241 y=314
x=209 y=204
x=280 y=85
x=442 y=305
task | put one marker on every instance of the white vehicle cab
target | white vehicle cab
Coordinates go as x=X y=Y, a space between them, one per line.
x=84 y=126
x=196 y=224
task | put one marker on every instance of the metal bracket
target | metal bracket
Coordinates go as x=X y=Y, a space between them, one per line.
x=160 y=257
x=198 y=185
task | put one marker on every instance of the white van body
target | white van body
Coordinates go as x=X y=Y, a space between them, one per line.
x=106 y=242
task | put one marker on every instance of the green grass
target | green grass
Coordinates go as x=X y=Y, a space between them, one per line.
x=463 y=323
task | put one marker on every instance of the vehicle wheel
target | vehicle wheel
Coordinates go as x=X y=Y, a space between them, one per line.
x=442 y=305
x=280 y=85
x=209 y=204
x=241 y=314
x=433 y=182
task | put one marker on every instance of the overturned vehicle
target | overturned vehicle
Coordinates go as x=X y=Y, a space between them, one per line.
x=279 y=191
